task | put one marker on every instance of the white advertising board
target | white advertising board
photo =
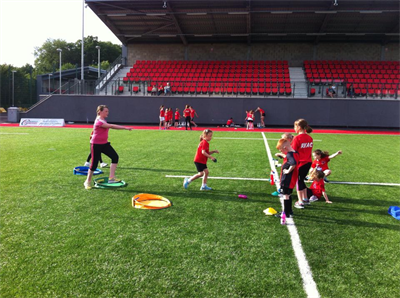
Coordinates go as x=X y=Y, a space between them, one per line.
x=41 y=122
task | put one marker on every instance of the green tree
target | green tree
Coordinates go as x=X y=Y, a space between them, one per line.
x=47 y=56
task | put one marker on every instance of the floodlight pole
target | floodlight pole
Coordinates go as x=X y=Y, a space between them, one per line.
x=14 y=71
x=50 y=75
x=83 y=42
x=60 y=51
x=98 y=61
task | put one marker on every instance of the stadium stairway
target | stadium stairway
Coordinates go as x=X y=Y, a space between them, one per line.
x=297 y=77
x=119 y=76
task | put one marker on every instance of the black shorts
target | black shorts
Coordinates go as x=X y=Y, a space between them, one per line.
x=263 y=114
x=303 y=171
x=286 y=191
x=200 y=166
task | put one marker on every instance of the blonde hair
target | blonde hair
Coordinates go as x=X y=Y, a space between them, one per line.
x=287 y=136
x=101 y=108
x=204 y=134
x=317 y=174
x=281 y=143
x=303 y=125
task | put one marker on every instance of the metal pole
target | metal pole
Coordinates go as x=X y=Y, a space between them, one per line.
x=50 y=75
x=98 y=61
x=60 y=51
x=14 y=71
x=83 y=42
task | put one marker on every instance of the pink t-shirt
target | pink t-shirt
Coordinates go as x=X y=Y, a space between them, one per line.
x=100 y=134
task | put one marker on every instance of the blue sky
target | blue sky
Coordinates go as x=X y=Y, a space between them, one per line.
x=26 y=24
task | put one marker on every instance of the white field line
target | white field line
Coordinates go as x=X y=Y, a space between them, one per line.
x=221 y=178
x=309 y=285
x=258 y=139
x=14 y=133
x=364 y=183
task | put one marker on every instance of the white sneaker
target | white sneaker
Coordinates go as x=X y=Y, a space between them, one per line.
x=313 y=199
x=87 y=185
x=103 y=165
x=87 y=164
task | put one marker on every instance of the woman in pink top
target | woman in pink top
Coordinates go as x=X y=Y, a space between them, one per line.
x=99 y=144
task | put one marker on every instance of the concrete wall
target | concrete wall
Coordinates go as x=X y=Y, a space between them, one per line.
x=215 y=111
x=295 y=53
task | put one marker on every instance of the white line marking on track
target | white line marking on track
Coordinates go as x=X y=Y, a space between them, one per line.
x=221 y=178
x=309 y=285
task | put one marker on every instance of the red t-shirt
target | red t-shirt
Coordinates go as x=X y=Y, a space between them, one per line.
x=166 y=115
x=249 y=116
x=200 y=157
x=229 y=122
x=186 y=112
x=177 y=115
x=192 y=111
x=317 y=187
x=303 y=144
x=321 y=164
x=162 y=113
x=261 y=111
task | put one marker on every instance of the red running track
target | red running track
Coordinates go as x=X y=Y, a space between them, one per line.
x=277 y=130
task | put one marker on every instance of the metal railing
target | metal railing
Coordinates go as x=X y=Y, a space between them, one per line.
x=111 y=70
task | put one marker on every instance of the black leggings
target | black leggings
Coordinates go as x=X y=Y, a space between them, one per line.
x=303 y=171
x=90 y=157
x=98 y=149
x=188 y=122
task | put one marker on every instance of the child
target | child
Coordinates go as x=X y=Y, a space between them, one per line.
x=177 y=117
x=286 y=136
x=186 y=114
x=262 y=116
x=162 y=117
x=289 y=174
x=192 y=114
x=250 y=119
x=230 y=122
x=200 y=160
x=170 y=116
x=317 y=188
x=87 y=163
x=321 y=159
x=166 y=117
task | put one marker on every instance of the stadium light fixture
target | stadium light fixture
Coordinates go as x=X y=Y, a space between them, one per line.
x=167 y=35
x=98 y=61
x=370 y=11
x=239 y=12
x=326 y=11
x=155 y=14
x=196 y=14
x=336 y=3
x=13 y=72
x=60 y=51
x=83 y=47
x=165 y=4
x=281 y=12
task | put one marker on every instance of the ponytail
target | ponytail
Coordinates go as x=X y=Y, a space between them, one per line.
x=303 y=125
x=204 y=133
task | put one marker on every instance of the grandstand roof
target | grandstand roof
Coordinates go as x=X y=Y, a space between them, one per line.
x=204 y=21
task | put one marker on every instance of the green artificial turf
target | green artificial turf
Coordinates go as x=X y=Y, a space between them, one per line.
x=60 y=240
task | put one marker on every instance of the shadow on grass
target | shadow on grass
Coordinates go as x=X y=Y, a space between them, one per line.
x=343 y=222
x=157 y=170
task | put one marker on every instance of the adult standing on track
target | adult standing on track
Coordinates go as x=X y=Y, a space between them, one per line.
x=303 y=144
x=100 y=144
x=186 y=114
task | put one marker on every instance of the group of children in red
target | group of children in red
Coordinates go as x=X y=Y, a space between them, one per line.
x=166 y=117
x=297 y=164
x=250 y=118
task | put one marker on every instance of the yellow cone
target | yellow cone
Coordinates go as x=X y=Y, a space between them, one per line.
x=270 y=211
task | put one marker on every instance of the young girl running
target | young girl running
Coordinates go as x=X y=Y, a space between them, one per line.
x=162 y=117
x=100 y=144
x=303 y=144
x=321 y=159
x=200 y=160
x=317 y=188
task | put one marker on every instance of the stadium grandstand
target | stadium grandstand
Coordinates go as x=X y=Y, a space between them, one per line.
x=224 y=57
